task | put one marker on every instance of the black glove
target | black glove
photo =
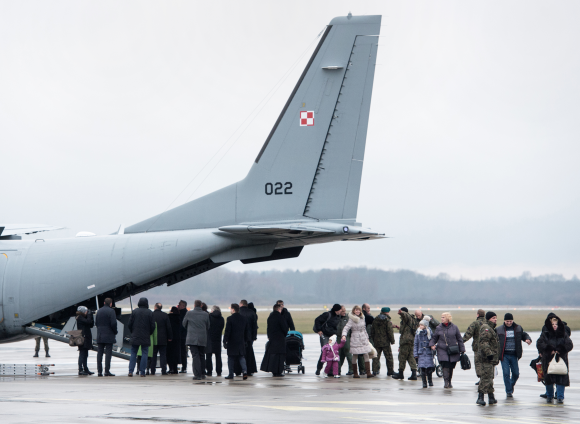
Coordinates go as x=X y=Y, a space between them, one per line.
x=490 y=357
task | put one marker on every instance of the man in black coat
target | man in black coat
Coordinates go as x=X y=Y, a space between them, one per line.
x=141 y=325
x=326 y=325
x=275 y=355
x=235 y=339
x=510 y=337
x=216 y=328
x=182 y=307
x=286 y=315
x=164 y=335
x=106 y=322
x=252 y=321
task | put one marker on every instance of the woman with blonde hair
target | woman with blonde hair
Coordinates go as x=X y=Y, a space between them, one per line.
x=449 y=344
x=359 y=340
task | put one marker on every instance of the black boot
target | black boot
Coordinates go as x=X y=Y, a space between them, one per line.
x=446 y=377
x=480 y=399
x=492 y=399
x=413 y=375
x=430 y=378
x=399 y=375
x=390 y=372
x=35 y=354
x=450 y=377
x=424 y=379
x=47 y=355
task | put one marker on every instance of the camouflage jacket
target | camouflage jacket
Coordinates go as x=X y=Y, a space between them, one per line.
x=488 y=343
x=407 y=329
x=341 y=323
x=473 y=331
x=382 y=331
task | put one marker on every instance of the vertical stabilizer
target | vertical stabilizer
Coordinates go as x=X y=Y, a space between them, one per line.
x=311 y=162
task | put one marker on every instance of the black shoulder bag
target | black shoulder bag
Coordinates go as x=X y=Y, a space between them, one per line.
x=451 y=350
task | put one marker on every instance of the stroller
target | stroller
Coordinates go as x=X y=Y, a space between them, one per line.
x=294 y=348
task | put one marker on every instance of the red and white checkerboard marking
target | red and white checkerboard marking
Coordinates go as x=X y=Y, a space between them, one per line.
x=306 y=118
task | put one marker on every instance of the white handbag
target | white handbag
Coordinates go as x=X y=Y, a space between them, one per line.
x=557 y=367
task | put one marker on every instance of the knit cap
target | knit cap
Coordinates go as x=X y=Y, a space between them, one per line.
x=426 y=318
x=336 y=307
x=425 y=322
x=385 y=309
x=404 y=309
x=508 y=317
x=490 y=315
x=332 y=339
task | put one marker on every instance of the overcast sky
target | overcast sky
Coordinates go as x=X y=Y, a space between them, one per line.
x=109 y=109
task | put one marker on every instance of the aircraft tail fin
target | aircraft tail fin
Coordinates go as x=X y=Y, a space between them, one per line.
x=311 y=162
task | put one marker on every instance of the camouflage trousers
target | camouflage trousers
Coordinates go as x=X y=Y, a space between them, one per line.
x=477 y=361
x=406 y=355
x=388 y=358
x=45 y=340
x=344 y=354
x=486 y=378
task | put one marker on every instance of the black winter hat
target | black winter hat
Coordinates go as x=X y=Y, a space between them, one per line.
x=508 y=317
x=404 y=308
x=490 y=315
x=336 y=307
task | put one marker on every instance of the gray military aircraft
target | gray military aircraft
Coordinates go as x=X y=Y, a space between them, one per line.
x=302 y=189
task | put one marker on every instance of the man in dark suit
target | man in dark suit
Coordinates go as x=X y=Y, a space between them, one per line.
x=164 y=335
x=236 y=338
x=106 y=323
x=182 y=307
x=252 y=321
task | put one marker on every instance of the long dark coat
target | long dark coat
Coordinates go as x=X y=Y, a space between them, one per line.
x=277 y=330
x=557 y=341
x=85 y=323
x=447 y=335
x=288 y=318
x=141 y=324
x=106 y=322
x=164 y=330
x=252 y=320
x=236 y=335
x=174 y=346
x=216 y=328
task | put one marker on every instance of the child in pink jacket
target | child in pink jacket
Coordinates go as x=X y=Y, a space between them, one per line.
x=331 y=357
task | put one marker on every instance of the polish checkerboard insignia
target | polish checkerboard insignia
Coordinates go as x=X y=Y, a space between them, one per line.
x=306 y=118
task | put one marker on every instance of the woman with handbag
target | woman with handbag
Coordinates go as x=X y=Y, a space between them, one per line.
x=554 y=345
x=85 y=322
x=449 y=344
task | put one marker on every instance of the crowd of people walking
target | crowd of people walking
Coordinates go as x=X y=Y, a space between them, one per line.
x=355 y=337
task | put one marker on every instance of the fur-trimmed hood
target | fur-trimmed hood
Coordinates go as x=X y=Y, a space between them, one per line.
x=561 y=331
x=353 y=317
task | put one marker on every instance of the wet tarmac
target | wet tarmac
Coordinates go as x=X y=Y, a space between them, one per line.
x=67 y=397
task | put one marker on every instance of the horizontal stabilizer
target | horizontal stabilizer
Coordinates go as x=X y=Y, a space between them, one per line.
x=20 y=229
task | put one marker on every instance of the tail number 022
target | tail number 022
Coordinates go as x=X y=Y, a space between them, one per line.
x=278 y=188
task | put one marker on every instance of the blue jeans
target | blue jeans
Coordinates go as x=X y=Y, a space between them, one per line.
x=133 y=360
x=559 y=391
x=510 y=362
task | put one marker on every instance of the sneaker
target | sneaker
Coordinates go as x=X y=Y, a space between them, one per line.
x=130 y=374
x=337 y=376
x=510 y=395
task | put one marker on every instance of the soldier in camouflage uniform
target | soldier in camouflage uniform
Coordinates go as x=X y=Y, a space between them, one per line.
x=473 y=331
x=383 y=337
x=419 y=316
x=344 y=352
x=489 y=354
x=406 y=341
